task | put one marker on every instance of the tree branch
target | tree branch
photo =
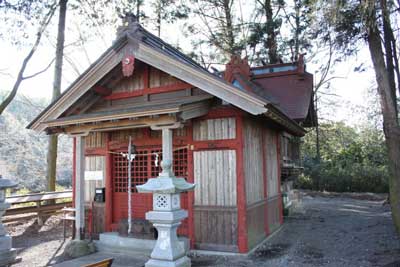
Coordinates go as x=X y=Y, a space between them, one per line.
x=26 y=60
x=39 y=72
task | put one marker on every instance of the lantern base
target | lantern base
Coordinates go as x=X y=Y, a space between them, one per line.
x=181 y=262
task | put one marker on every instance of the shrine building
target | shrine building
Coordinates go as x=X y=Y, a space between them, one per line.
x=235 y=135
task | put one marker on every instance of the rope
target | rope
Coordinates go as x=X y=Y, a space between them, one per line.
x=148 y=154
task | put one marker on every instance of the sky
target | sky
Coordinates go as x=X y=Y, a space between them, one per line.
x=345 y=92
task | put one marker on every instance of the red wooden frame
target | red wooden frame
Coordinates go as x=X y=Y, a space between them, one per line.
x=149 y=91
x=108 y=185
x=241 y=190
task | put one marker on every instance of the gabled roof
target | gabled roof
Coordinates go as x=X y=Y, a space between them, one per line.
x=153 y=51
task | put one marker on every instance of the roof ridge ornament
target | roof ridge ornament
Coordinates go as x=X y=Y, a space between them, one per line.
x=237 y=65
x=130 y=26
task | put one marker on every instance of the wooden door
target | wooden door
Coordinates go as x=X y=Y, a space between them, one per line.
x=215 y=209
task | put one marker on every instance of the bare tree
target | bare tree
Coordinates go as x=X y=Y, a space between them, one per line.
x=21 y=77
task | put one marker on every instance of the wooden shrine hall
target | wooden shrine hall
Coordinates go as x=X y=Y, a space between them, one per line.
x=227 y=133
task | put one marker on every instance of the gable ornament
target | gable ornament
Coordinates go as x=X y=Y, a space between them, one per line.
x=128 y=65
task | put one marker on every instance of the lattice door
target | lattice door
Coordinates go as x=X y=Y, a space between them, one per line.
x=143 y=168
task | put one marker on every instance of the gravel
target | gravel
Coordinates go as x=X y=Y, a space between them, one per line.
x=333 y=230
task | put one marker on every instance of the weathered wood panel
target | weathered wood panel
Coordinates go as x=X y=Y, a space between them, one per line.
x=132 y=83
x=159 y=78
x=123 y=136
x=273 y=213
x=256 y=223
x=214 y=129
x=253 y=161
x=215 y=177
x=271 y=154
x=216 y=228
x=93 y=163
x=95 y=140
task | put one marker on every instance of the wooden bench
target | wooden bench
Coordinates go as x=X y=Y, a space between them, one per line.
x=103 y=263
x=39 y=208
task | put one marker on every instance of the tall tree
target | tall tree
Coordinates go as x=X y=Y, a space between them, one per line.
x=370 y=21
x=168 y=11
x=220 y=28
x=266 y=31
x=53 y=139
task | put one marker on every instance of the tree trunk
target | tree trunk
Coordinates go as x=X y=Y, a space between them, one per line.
x=271 y=43
x=390 y=124
x=53 y=140
x=229 y=27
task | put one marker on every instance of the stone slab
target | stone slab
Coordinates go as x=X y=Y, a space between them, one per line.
x=182 y=262
x=112 y=242
x=120 y=260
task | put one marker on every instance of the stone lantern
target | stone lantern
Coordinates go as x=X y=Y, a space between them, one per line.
x=167 y=213
x=8 y=254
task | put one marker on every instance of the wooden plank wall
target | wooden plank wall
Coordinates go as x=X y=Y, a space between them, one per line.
x=214 y=129
x=95 y=140
x=256 y=223
x=271 y=153
x=215 y=178
x=215 y=212
x=93 y=163
x=253 y=161
x=273 y=213
x=123 y=136
x=158 y=78
x=216 y=228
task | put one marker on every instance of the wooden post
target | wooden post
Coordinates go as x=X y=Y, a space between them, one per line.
x=109 y=186
x=278 y=153
x=80 y=187
x=241 y=189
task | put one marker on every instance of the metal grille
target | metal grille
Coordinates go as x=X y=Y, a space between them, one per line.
x=144 y=167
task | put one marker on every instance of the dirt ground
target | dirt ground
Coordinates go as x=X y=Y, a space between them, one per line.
x=325 y=230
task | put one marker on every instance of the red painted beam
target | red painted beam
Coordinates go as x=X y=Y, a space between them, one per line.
x=101 y=90
x=150 y=91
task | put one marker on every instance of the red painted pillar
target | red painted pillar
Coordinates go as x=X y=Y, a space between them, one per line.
x=241 y=189
x=108 y=185
x=190 y=178
x=278 y=148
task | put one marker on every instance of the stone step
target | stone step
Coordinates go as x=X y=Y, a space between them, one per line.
x=112 y=242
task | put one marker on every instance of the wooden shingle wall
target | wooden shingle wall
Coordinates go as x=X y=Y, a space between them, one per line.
x=214 y=129
x=253 y=161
